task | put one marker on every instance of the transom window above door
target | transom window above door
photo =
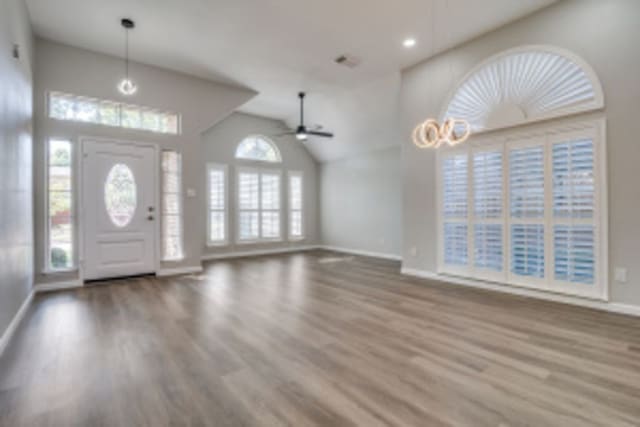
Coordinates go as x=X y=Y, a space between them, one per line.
x=259 y=148
x=64 y=106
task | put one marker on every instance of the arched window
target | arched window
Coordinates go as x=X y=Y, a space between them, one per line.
x=257 y=147
x=527 y=207
x=524 y=85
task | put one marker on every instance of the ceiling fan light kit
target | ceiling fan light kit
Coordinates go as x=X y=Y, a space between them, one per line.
x=302 y=133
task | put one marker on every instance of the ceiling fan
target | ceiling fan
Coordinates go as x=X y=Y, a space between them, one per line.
x=302 y=132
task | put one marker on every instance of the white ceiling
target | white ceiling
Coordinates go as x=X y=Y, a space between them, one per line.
x=278 y=47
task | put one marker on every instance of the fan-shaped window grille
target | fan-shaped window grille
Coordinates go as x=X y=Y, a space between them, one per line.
x=524 y=85
x=258 y=148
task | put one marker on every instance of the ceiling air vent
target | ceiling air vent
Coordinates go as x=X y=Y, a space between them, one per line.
x=348 y=61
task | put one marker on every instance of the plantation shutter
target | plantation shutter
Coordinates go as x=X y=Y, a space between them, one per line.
x=573 y=211
x=295 y=205
x=171 y=206
x=527 y=198
x=487 y=210
x=528 y=211
x=248 y=203
x=455 y=209
x=217 y=205
x=270 y=205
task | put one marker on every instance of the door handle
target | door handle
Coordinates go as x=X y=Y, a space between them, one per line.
x=150 y=218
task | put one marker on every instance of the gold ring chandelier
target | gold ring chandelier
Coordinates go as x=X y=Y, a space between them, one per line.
x=430 y=134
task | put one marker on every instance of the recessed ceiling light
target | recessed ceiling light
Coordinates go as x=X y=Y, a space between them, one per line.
x=409 y=42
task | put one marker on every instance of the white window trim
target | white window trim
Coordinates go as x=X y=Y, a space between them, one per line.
x=546 y=135
x=302 y=235
x=225 y=170
x=180 y=207
x=48 y=269
x=259 y=171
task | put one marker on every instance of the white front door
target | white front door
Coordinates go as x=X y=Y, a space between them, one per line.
x=119 y=209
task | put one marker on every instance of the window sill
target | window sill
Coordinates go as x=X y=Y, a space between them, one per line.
x=258 y=242
x=180 y=259
x=217 y=244
x=49 y=271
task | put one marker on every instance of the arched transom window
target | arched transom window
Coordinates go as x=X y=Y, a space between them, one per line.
x=523 y=85
x=257 y=147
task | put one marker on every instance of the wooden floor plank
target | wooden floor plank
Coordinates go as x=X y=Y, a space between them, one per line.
x=315 y=339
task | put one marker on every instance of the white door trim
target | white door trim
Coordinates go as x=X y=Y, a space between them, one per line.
x=80 y=194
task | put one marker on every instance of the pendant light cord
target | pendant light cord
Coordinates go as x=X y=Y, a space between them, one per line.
x=126 y=54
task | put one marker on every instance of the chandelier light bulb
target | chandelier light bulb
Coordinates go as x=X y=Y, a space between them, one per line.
x=127 y=87
x=409 y=43
x=431 y=134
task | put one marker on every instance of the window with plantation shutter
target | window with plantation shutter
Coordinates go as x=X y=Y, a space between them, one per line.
x=527 y=250
x=258 y=205
x=171 y=206
x=526 y=182
x=487 y=210
x=270 y=201
x=573 y=181
x=527 y=211
x=249 y=206
x=574 y=253
x=295 y=206
x=455 y=170
x=455 y=244
x=454 y=178
x=487 y=184
x=488 y=246
x=217 y=218
x=574 y=228
x=527 y=199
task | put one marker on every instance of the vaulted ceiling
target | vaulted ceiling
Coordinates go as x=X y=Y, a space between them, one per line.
x=278 y=47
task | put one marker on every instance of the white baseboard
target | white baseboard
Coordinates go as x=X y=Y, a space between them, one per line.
x=164 y=272
x=57 y=286
x=15 y=322
x=362 y=253
x=612 y=307
x=274 y=251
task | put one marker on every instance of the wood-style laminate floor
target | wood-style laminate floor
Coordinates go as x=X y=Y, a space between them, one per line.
x=315 y=339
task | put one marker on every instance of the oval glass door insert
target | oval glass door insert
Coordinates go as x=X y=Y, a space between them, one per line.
x=120 y=195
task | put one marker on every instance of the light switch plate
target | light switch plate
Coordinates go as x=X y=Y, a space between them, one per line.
x=620 y=275
x=191 y=192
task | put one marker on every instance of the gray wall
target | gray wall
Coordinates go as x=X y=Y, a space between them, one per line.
x=16 y=191
x=220 y=144
x=361 y=202
x=603 y=33
x=202 y=104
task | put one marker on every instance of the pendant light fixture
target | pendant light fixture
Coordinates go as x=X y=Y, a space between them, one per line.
x=127 y=86
x=452 y=131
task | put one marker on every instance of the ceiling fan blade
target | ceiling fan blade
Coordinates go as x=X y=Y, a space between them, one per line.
x=318 y=133
x=284 y=133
